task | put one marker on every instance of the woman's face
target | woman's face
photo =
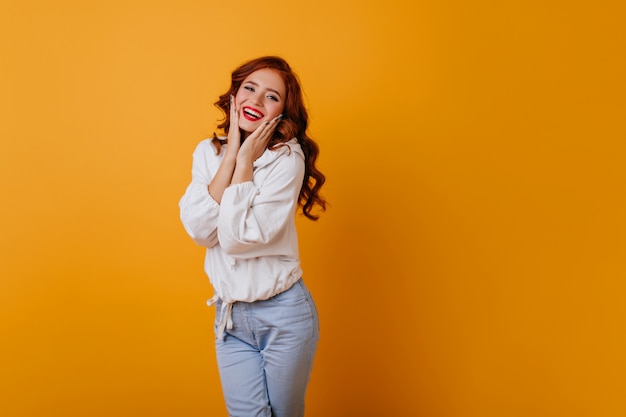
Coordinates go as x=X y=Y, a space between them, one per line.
x=260 y=98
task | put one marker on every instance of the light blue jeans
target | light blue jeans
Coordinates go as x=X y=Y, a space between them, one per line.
x=266 y=358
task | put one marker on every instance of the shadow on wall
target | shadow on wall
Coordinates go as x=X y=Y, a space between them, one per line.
x=377 y=300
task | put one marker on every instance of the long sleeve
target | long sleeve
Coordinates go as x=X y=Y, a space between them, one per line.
x=250 y=236
x=255 y=216
x=199 y=212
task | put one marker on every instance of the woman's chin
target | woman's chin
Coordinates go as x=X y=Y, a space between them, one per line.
x=248 y=127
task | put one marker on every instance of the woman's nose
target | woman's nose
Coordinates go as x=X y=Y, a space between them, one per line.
x=256 y=98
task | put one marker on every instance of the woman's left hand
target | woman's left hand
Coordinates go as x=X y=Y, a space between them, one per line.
x=255 y=144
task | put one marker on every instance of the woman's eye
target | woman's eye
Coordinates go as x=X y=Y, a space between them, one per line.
x=247 y=87
x=273 y=98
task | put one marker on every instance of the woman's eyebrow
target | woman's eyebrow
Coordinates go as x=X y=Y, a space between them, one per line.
x=274 y=91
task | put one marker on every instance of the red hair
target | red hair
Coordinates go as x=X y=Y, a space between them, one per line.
x=294 y=124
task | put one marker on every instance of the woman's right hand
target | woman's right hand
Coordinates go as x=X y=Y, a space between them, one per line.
x=234 y=135
x=224 y=174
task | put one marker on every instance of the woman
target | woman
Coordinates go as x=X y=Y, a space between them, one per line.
x=241 y=205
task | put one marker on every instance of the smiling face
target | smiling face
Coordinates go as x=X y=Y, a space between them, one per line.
x=260 y=98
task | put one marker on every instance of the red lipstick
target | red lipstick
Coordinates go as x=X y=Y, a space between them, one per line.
x=252 y=114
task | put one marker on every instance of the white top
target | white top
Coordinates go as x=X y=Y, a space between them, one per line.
x=251 y=238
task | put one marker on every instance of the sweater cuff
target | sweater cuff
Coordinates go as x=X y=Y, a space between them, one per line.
x=201 y=194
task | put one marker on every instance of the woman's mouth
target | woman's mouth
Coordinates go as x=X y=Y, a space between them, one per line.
x=252 y=114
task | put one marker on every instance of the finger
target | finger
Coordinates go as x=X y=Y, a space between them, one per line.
x=264 y=131
x=260 y=131
x=259 y=134
x=234 y=114
x=271 y=125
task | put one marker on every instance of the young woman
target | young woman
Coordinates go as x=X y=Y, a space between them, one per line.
x=245 y=191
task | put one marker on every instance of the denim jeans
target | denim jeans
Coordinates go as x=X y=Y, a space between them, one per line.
x=266 y=358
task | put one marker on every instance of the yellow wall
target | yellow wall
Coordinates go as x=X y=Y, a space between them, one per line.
x=472 y=262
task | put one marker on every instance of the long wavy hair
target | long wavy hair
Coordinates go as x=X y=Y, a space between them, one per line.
x=294 y=124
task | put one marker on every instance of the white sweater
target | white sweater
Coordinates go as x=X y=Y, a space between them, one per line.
x=251 y=238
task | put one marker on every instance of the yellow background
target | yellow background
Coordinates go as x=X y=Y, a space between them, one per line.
x=472 y=262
